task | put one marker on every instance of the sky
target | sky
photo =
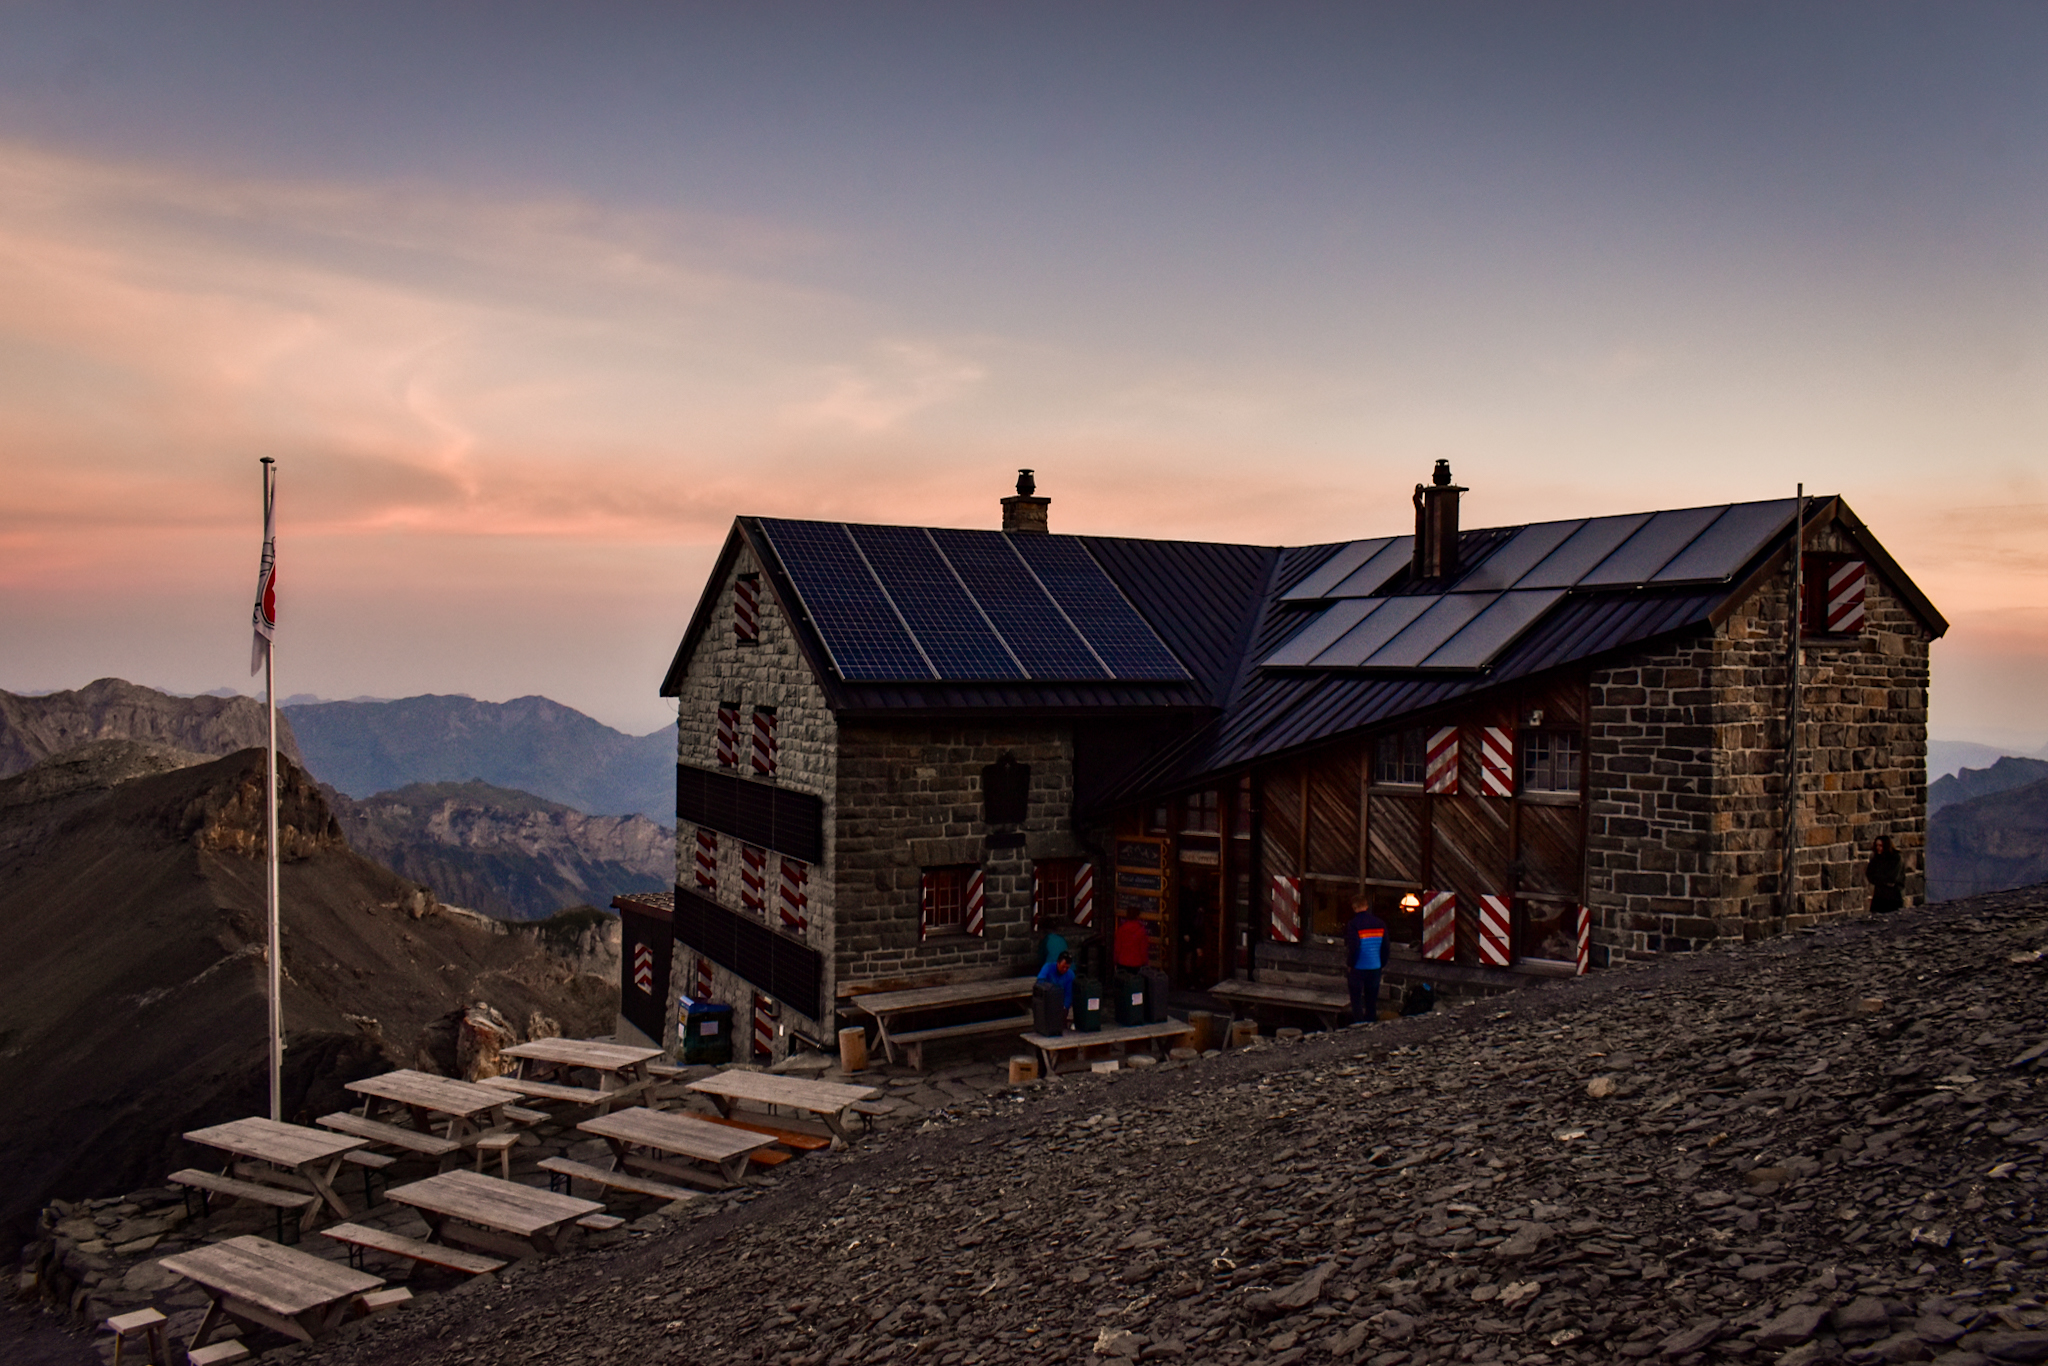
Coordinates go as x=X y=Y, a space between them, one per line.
x=528 y=301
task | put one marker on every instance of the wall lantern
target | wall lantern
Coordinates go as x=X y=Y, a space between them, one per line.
x=1410 y=904
x=1535 y=716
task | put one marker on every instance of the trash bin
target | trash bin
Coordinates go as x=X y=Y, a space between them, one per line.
x=1130 y=999
x=1087 y=1005
x=1155 y=995
x=1049 y=1008
x=707 y=1031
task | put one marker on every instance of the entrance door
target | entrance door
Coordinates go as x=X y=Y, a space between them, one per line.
x=1198 y=930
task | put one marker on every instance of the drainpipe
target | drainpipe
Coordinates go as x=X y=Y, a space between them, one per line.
x=1789 y=877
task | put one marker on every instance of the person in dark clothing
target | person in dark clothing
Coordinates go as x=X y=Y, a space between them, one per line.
x=1365 y=953
x=1061 y=972
x=1886 y=874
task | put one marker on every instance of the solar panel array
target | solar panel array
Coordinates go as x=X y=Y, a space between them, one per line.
x=911 y=603
x=1501 y=596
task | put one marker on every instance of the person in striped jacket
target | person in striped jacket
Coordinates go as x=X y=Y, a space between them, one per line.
x=1365 y=953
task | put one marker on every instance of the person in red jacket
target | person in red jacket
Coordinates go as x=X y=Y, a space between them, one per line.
x=1365 y=953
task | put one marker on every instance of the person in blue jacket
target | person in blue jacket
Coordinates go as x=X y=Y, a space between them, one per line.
x=1365 y=953
x=1061 y=971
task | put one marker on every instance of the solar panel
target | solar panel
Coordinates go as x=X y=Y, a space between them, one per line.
x=1584 y=548
x=1391 y=618
x=853 y=616
x=1731 y=542
x=1655 y=544
x=1446 y=616
x=1493 y=630
x=1522 y=553
x=1371 y=576
x=1026 y=618
x=1333 y=570
x=1122 y=638
x=1324 y=630
x=956 y=637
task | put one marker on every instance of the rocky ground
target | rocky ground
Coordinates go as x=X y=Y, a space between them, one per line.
x=1824 y=1147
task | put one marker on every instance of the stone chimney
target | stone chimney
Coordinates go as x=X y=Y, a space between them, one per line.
x=1436 y=525
x=1026 y=514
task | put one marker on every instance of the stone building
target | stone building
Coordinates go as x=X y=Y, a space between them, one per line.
x=905 y=754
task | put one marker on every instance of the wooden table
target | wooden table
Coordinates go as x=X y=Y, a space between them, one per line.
x=676 y=1135
x=516 y=1220
x=890 y=1007
x=312 y=1155
x=826 y=1099
x=621 y=1068
x=259 y=1284
x=1117 y=1037
x=1329 y=1005
x=426 y=1096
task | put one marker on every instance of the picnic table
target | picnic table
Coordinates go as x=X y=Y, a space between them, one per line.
x=724 y=1148
x=621 y=1069
x=426 y=1096
x=829 y=1100
x=259 y=1284
x=1328 y=1004
x=312 y=1156
x=497 y=1216
x=889 y=1009
x=1119 y=1038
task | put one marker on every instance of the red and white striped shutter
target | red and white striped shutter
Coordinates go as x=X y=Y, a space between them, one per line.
x=1084 y=894
x=972 y=917
x=1847 y=582
x=1037 y=897
x=643 y=967
x=1286 y=919
x=1585 y=940
x=746 y=608
x=795 y=900
x=728 y=736
x=1440 y=926
x=1493 y=931
x=754 y=880
x=764 y=741
x=707 y=861
x=924 y=905
x=765 y=1011
x=704 y=978
x=1441 y=775
x=1497 y=761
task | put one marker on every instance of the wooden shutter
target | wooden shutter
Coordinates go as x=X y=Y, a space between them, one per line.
x=764 y=741
x=753 y=879
x=1441 y=771
x=794 y=899
x=728 y=735
x=1497 y=761
x=707 y=860
x=746 y=609
x=1285 y=893
x=1847 y=582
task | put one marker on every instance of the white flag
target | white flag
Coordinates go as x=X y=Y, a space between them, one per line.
x=264 y=618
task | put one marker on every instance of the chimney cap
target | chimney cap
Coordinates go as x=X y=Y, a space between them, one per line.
x=1442 y=476
x=1026 y=485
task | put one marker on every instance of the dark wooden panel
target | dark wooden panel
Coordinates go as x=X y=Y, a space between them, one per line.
x=1333 y=817
x=784 y=967
x=1394 y=827
x=1280 y=821
x=1469 y=846
x=791 y=823
x=1550 y=853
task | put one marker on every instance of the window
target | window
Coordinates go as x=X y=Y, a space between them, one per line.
x=1062 y=892
x=746 y=609
x=950 y=900
x=728 y=735
x=1551 y=761
x=1832 y=588
x=1399 y=758
x=764 y=741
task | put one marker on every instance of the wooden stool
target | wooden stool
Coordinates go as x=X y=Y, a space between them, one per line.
x=218 y=1354
x=1243 y=1032
x=1023 y=1069
x=853 y=1049
x=501 y=1144
x=149 y=1323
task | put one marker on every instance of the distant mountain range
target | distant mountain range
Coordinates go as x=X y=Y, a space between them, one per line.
x=530 y=744
x=35 y=726
x=1970 y=783
x=1989 y=843
x=505 y=853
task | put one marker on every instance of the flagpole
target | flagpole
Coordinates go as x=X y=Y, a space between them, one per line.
x=276 y=955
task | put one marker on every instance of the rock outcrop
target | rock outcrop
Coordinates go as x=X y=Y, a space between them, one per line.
x=35 y=728
x=1989 y=843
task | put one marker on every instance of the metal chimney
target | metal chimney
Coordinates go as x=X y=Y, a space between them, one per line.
x=1024 y=513
x=1436 y=525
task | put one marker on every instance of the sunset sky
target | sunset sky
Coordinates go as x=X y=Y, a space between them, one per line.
x=529 y=301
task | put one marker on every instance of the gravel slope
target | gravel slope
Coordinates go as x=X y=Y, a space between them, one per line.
x=1825 y=1147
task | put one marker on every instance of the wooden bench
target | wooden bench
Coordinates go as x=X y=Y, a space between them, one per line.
x=788 y=1138
x=569 y=1172
x=1330 y=1007
x=599 y=1223
x=391 y=1135
x=356 y=1237
x=912 y=1041
x=222 y=1353
x=1051 y=1047
x=548 y=1090
x=299 y=1202
x=522 y=1116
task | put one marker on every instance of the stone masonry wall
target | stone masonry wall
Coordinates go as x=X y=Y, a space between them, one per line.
x=910 y=799
x=1685 y=750
x=771 y=673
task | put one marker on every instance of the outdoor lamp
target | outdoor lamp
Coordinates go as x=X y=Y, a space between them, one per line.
x=1410 y=903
